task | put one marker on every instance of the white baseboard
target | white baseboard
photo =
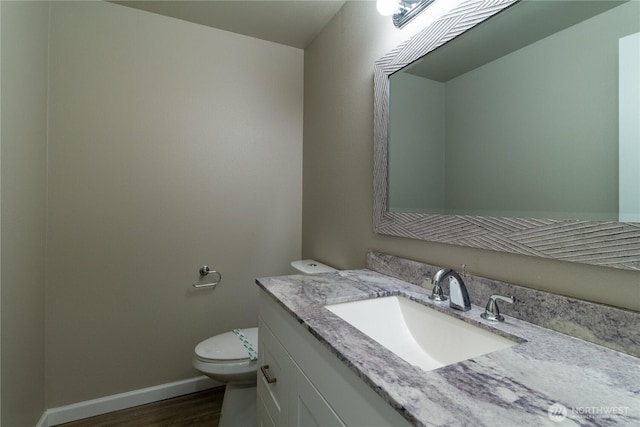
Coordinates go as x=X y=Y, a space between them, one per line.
x=42 y=422
x=102 y=405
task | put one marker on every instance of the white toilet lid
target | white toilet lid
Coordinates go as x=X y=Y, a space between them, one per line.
x=227 y=346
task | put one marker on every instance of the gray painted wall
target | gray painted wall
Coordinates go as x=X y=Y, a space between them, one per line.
x=172 y=146
x=24 y=35
x=338 y=169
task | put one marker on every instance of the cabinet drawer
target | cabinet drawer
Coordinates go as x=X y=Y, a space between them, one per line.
x=274 y=376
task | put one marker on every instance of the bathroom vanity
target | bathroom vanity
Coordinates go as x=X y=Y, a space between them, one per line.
x=302 y=383
x=317 y=369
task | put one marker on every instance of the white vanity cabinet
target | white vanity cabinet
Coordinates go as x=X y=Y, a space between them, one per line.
x=309 y=385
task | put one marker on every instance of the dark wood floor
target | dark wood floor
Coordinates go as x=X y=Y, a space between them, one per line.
x=197 y=409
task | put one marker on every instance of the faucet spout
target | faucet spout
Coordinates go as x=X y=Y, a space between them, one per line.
x=458 y=294
x=437 y=294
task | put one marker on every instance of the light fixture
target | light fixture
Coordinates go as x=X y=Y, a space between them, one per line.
x=404 y=11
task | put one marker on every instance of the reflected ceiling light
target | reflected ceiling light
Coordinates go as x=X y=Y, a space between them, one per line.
x=404 y=11
x=387 y=7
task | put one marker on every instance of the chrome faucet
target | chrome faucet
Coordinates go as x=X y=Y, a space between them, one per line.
x=458 y=295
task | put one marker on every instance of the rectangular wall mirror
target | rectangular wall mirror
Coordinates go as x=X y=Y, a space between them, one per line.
x=515 y=127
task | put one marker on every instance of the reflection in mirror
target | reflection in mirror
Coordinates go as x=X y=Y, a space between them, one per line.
x=517 y=132
x=521 y=117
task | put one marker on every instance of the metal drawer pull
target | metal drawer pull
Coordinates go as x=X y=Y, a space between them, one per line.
x=267 y=377
x=204 y=271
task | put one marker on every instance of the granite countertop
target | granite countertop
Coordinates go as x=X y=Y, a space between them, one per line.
x=514 y=386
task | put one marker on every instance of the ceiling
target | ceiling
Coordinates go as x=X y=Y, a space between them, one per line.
x=290 y=22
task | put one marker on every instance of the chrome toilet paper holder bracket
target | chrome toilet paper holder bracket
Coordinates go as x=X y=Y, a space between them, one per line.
x=205 y=271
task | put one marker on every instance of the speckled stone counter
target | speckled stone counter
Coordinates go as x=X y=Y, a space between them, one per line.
x=612 y=327
x=548 y=379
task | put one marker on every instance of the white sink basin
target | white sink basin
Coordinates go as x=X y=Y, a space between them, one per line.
x=418 y=334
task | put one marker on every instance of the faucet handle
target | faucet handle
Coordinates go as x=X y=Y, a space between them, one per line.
x=492 y=312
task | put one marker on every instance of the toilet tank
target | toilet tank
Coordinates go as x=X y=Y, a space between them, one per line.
x=310 y=266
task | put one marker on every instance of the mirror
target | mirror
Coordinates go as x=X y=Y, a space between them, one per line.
x=502 y=133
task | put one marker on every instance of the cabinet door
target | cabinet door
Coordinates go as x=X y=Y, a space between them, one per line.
x=309 y=407
x=274 y=379
x=264 y=418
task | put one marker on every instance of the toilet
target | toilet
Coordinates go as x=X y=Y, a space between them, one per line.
x=231 y=358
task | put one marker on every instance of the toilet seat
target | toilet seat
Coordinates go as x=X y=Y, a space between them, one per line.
x=227 y=347
x=225 y=358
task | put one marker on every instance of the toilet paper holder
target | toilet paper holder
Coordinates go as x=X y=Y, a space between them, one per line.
x=205 y=271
